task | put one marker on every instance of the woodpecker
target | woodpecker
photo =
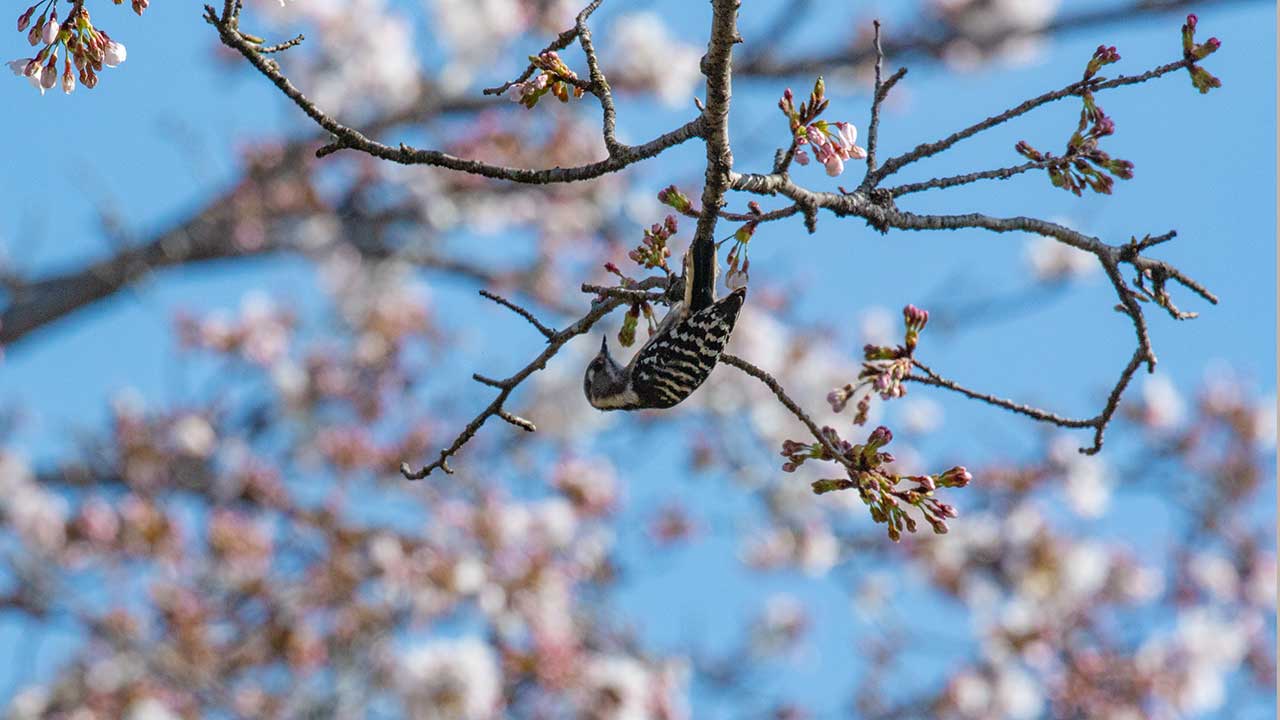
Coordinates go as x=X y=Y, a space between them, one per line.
x=676 y=359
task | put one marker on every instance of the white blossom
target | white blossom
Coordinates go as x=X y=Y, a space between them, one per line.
x=647 y=53
x=149 y=708
x=451 y=680
x=1051 y=260
x=194 y=436
x=1162 y=405
x=1216 y=574
x=615 y=687
x=114 y=54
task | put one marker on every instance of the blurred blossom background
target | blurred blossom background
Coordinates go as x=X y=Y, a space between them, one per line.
x=218 y=349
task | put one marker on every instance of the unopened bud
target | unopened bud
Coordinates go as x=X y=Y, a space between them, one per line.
x=50 y=31
x=25 y=18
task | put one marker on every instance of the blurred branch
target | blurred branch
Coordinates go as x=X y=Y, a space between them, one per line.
x=1096 y=84
x=209 y=235
x=931 y=41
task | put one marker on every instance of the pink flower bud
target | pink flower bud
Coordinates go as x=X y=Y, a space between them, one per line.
x=49 y=77
x=114 y=54
x=802 y=157
x=25 y=18
x=68 y=80
x=50 y=31
x=848 y=133
x=834 y=164
x=880 y=437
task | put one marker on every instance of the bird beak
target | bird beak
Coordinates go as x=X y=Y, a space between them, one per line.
x=604 y=345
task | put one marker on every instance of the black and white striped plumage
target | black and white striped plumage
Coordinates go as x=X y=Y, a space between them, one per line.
x=671 y=365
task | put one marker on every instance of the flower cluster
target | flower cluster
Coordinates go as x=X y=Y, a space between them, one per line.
x=879 y=487
x=832 y=143
x=631 y=319
x=553 y=77
x=676 y=200
x=652 y=253
x=74 y=41
x=1201 y=79
x=1084 y=163
x=883 y=369
x=739 y=263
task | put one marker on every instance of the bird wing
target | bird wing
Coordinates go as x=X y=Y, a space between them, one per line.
x=673 y=364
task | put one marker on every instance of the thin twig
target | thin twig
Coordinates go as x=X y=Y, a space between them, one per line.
x=954 y=180
x=930 y=41
x=547 y=332
x=561 y=42
x=627 y=294
x=280 y=47
x=882 y=89
x=787 y=402
x=932 y=378
x=505 y=387
x=346 y=138
x=599 y=84
x=1098 y=422
x=1096 y=84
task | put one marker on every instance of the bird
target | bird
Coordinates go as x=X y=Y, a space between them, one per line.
x=677 y=358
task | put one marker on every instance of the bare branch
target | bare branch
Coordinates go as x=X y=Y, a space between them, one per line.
x=507 y=386
x=787 y=402
x=954 y=180
x=627 y=294
x=280 y=47
x=349 y=138
x=1099 y=422
x=518 y=421
x=881 y=91
x=547 y=332
x=599 y=85
x=1096 y=84
x=932 y=378
x=931 y=43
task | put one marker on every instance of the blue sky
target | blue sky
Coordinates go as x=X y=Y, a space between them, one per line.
x=159 y=135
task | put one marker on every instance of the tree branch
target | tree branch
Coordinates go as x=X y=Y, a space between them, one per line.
x=881 y=91
x=505 y=387
x=349 y=138
x=932 y=42
x=1095 y=84
x=547 y=332
x=788 y=403
x=716 y=66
